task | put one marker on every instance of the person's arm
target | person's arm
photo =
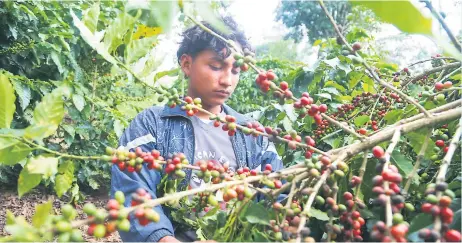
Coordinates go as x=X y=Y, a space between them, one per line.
x=141 y=133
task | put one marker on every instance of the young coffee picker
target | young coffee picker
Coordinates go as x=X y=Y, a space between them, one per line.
x=207 y=63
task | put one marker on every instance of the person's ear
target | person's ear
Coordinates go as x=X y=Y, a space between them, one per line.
x=186 y=63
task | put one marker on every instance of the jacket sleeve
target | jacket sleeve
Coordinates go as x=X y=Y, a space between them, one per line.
x=140 y=133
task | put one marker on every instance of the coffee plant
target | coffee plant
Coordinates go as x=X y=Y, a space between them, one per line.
x=371 y=151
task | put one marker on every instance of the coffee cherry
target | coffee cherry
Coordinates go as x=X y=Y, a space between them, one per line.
x=378 y=152
x=322 y=108
x=439 y=143
x=89 y=209
x=268 y=167
x=356 y=46
x=452 y=236
x=63 y=226
x=447 y=84
x=112 y=204
x=347 y=196
x=439 y=86
x=270 y=75
x=284 y=85
x=362 y=131
x=99 y=231
x=68 y=212
x=124 y=225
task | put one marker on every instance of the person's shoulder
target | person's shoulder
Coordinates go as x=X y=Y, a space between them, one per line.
x=151 y=113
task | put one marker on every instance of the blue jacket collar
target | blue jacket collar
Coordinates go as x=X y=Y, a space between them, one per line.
x=177 y=111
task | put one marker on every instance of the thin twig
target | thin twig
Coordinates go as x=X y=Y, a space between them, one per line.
x=443 y=170
x=391 y=147
x=438 y=16
x=431 y=59
x=371 y=71
x=428 y=72
x=420 y=156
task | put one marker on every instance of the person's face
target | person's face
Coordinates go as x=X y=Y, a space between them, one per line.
x=211 y=78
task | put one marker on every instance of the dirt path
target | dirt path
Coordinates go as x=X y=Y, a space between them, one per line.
x=25 y=206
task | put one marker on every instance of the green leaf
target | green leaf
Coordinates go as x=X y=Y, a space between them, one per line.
x=206 y=11
x=48 y=114
x=90 y=17
x=325 y=95
x=46 y=166
x=258 y=236
x=42 y=213
x=361 y=120
x=27 y=181
x=7 y=98
x=23 y=92
x=366 y=188
x=57 y=59
x=331 y=90
x=114 y=35
x=393 y=116
x=64 y=178
x=257 y=214
x=335 y=85
x=92 y=40
x=318 y=214
x=420 y=221
x=7 y=142
x=404 y=165
x=139 y=48
x=368 y=86
x=14 y=154
x=79 y=101
x=355 y=77
x=317 y=42
x=403 y=14
x=416 y=140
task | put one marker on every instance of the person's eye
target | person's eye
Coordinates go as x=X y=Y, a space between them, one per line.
x=214 y=68
x=236 y=71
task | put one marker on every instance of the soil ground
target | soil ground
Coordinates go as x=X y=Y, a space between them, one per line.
x=25 y=206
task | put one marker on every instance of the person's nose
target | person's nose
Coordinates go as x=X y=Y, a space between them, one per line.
x=226 y=78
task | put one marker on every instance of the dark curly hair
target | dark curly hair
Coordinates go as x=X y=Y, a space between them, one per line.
x=195 y=39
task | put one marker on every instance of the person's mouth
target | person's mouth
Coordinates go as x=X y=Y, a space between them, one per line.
x=223 y=92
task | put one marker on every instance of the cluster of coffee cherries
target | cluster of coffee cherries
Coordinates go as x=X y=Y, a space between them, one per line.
x=442 y=86
x=175 y=165
x=397 y=74
x=287 y=230
x=305 y=106
x=133 y=161
x=191 y=105
x=144 y=215
x=242 y=61
x=229 y=125
x=104 y=222
x=63 y=227
x=171 y=95
x=391 y=176
x=212 y=171
x=350 y=220
x=264 y=81
x=437 y=201
x=364 y=102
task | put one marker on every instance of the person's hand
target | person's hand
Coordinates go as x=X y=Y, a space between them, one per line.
x=206 y=241
x=169 y=239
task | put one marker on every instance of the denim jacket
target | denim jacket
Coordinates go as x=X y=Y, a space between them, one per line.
x=170 y=131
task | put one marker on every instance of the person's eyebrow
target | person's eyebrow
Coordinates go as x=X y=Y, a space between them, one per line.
x=217 y=58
